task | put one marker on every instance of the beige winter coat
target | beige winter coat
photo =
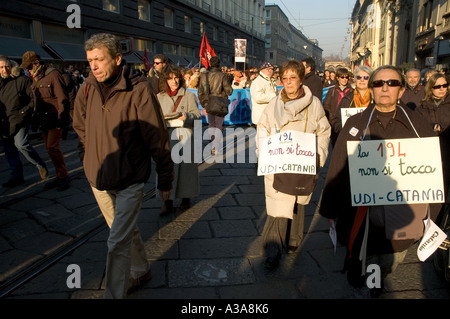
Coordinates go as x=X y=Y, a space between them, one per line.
x=262 y=90
x=186 y=182
x=279 y=117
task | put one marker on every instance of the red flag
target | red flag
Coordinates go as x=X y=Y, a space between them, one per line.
x=206 y=52
x=147 y=63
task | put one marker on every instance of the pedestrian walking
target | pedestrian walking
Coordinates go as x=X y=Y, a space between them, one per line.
x=16 y=108
x=295 y=108
x=180 y=108
x=312 y=80
x=121 y=129
x=359 y=97
x=51 y=112
x=435 y=108
x=262 y=90
x=334 y=97
x=159 y=62
x=383 y=119
x=414 y=90
x=219 y=85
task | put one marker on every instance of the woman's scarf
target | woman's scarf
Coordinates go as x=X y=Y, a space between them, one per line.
x=287 y=112
x=172 y=93
x=361 y=100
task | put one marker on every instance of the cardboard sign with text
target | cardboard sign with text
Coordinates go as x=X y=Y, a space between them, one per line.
x=346 y=112
x=287 y=152
x=397 y=171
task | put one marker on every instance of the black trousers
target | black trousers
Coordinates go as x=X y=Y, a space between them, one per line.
x=279 y=232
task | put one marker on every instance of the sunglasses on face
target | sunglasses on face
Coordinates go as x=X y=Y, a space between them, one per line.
x=365 y=77
x=343 y=77
x=157 y=63
x=380 y=83
x=437 y=87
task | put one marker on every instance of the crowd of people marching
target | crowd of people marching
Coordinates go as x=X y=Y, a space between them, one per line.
x=397 y=104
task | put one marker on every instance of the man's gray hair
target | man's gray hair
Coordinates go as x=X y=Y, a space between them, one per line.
x=5 y=59
x=107 y=40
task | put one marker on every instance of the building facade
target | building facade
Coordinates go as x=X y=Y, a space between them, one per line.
x=172 y=27
x=285 y=42
x=404 y=33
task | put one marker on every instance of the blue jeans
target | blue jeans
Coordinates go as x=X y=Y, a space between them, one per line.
x=19 y=143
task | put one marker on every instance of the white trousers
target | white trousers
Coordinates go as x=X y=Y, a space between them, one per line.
x=126 y=252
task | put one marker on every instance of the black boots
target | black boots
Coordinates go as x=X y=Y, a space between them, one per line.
x=185 y=203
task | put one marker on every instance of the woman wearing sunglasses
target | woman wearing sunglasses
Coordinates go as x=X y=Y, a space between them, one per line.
x=359 y=97
x=435 y=107
x=334 y=97
x=383 y=119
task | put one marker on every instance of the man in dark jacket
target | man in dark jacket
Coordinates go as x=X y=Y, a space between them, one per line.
x=219 y=85
x=16 y=106
x=312 y=80
x=52 y=112
x=159 y=62
x=121 y=129
x=415 y=92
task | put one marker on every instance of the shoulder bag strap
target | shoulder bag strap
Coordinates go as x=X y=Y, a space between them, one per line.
x=177 y=103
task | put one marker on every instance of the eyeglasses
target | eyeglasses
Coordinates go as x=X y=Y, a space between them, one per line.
x=437 y=87
x=359 y=77
x=157 y=63
x=380 y=83
x=344 y=77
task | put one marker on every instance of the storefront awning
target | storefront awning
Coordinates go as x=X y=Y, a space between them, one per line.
x=133 y=58
x=14 y=48
x=67 y=51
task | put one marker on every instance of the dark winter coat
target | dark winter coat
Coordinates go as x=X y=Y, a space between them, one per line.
x=439 y=115
x=51 y=99
x=219 y=84
x=336 y=196
x=16 y=103
x=314 y=83
x=121 y=133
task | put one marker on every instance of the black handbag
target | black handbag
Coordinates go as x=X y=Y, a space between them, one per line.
x=297 y=184
x=216 y=105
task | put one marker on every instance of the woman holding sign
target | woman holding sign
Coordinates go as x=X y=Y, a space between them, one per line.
x=359 y=98
x=373 y=231
x=295 y=109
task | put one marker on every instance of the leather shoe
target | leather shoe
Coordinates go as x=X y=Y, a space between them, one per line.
x=185 y=203
x=59 y=183
x=64 y=184
x=272 y=262
x=137 y=283
x=43 y=172
x=167 y=208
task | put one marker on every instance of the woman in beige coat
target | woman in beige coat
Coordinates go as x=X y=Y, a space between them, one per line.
x=293 y=109
x=180 y=109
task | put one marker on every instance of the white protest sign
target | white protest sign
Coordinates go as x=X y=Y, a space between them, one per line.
x=346 y=112
x=287 y=152
x=432 y=238
x=397 y=171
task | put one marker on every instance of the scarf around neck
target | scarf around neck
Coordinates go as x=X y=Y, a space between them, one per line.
x=361 y=100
